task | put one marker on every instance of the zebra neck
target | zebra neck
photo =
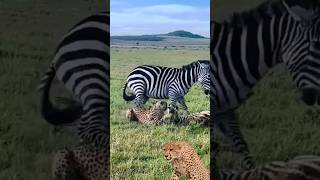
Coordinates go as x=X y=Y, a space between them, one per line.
x=188 y=77
x=242 y=55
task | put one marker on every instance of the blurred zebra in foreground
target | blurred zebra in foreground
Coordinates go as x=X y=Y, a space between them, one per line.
x=251 y=43
x=81 y=64
x=299 y=168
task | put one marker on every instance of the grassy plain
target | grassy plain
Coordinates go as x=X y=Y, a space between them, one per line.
x=136 y=150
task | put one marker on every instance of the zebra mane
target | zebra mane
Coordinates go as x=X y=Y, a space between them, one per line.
x=194 y=64
x=266 y=9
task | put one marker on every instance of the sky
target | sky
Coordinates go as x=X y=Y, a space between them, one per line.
x=137 y=17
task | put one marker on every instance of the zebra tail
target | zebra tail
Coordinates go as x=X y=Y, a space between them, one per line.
x=52 y=114
x=125 y=96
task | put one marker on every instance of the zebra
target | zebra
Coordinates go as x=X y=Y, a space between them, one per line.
x=305 y=167
x=166 y=83
x=81 y=64
x=246 y=47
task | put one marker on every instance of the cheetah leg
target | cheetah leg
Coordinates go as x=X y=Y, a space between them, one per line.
x=130 y=115
x=174 y=176
x=227 y=123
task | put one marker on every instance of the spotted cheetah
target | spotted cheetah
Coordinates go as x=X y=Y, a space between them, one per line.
x=202 y=117
x=198 y=117
x=185 y=161
x=144 y=115
x=157 y=115
x=83 y=162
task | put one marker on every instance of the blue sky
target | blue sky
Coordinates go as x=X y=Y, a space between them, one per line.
x=136 y=17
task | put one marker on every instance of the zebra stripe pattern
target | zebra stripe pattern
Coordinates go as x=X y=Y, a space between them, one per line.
x=81 y=64
x=245 y=48
x=166 y=83
x=299 y=168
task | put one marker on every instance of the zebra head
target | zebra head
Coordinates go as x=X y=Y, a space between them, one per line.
x=302 y=56
x=204 y=75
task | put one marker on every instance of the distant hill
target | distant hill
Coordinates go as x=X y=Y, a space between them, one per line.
x=158 y=37
x=182 y=33
x=139 y=38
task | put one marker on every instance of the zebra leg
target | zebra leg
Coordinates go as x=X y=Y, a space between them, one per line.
x=172 y=108
x=227 y=123
x=140 y=100
x=183 y=104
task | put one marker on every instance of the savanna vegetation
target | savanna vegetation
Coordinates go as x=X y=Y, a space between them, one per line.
x=136 y=149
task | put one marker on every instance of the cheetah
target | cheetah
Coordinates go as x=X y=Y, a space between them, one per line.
x=185 y=161
x=148 y=116
x=202 y=117
x=84 y=162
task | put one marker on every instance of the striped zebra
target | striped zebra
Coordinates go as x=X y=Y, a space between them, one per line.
x=246 y=47
x=299 y=168
x=81 y=64
x=166 y=83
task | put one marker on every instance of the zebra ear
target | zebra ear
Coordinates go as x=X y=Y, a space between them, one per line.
x=302 y=11
x=203 y=65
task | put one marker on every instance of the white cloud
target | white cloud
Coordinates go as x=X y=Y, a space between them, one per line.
x=164 y=9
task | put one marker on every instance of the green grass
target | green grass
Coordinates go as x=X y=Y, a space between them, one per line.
x=275 y=123
x=30 y=30
x=136 y=149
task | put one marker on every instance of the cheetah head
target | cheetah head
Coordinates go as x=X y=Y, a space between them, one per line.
x=171 y=151
x=161 y=105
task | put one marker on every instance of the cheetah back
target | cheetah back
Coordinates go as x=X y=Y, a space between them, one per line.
x=82 y=162
x=143 y=115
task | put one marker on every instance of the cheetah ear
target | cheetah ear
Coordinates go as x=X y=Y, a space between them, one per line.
x=164 y=145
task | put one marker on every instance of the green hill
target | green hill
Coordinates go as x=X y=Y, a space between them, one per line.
x=157 y=37
x=139 y=38
x=182 y=33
